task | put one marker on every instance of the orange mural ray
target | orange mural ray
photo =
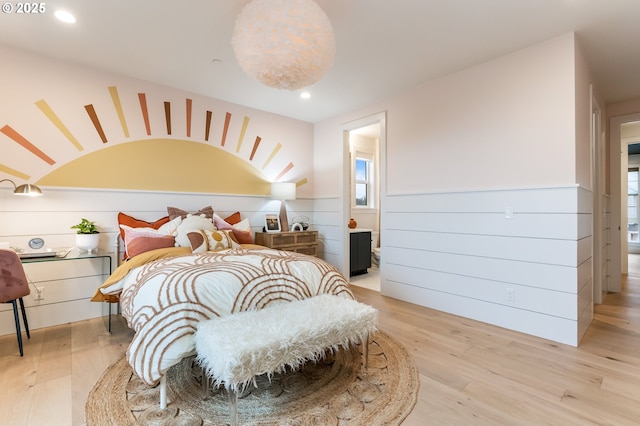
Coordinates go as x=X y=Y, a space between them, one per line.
x=167 y=116
x=7 y=130
x=255 y=147
x=272 y=155
x=96 y=122
x=53 y=117
x=145 y=112
x=189 y=105
x=243 y=131
x=115 y=98
x=227 y=119
x=284 y=171
x=13 y=172
x=207 y=126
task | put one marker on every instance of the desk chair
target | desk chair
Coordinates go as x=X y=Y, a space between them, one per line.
x=13 y=287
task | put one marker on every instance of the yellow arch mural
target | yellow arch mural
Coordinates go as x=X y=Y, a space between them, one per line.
x=151 y=165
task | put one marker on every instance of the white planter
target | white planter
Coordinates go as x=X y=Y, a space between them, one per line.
x=87 y=242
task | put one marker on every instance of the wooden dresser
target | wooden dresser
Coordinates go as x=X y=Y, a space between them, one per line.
x=305 y=242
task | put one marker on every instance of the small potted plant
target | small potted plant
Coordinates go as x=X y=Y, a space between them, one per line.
x=88 y=235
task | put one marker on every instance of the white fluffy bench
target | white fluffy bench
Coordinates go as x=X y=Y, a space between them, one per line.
x=234 y=349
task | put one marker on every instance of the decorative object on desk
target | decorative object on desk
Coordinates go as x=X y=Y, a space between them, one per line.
x=24 y=189
x=283 y=191
x=284 y=44
x=36 y=243
x=303 y=221
x=272 y=223
x=352 y=223
x=88 y=235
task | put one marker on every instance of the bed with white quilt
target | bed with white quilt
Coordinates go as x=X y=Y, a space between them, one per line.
x=165 y=292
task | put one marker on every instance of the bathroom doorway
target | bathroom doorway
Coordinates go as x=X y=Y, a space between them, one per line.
x=363 y=183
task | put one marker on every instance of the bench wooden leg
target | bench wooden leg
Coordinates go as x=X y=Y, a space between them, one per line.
x=163 y=392
x=365 y=350
x=205 y=382
x=233 y=407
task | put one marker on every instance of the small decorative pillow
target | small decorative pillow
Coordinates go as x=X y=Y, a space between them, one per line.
x=175 y=212
x=198 y=241
x=220 y=240
x=141 y=245
x=189 y=224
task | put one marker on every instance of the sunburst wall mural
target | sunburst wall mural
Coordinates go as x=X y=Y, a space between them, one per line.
x=156 y=140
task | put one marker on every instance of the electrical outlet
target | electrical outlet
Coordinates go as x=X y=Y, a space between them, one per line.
x=508 y=212
x=511 y=295
x=39 y=293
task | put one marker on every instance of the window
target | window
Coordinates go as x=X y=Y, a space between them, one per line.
x=632 y=205
x=363 y=181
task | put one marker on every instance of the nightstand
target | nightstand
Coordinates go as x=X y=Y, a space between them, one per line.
x=305 y=242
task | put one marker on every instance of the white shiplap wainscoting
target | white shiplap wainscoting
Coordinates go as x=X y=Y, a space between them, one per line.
x=69 y=285
x=330 y=229
x=462 y=253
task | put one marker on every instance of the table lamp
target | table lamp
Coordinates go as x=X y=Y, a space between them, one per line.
x=283 y=191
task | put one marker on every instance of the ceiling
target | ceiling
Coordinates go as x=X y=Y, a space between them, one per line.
x=383 y=47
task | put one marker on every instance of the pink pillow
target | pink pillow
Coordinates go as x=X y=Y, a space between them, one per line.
x=143 y=244
x=241 y=229
x=130 y=233
x=132 y=222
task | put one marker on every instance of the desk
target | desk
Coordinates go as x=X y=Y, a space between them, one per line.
x=75 y=255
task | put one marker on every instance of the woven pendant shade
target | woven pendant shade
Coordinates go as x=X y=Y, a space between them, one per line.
x=284 y=44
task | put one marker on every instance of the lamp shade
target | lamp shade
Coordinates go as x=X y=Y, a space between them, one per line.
x=284 y=44
x=24 y=189
x=28 y=189
x=283 y=190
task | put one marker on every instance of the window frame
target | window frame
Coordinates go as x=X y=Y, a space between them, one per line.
x=368 y=181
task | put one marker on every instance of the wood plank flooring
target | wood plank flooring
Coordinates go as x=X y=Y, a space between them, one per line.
x=470 y=373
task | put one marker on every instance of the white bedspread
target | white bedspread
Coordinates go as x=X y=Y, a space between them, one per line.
x=164 y=300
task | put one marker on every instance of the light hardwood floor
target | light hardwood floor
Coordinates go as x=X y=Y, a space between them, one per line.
x=470 y=373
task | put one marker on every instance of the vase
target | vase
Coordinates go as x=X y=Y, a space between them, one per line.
x=87 y=242
x=352 y=223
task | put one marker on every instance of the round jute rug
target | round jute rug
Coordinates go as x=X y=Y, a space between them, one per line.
x=335 y=391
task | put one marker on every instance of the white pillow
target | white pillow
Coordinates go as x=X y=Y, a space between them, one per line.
x=190 y=224
x=243 y=225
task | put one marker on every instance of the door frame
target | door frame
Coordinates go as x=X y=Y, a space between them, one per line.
x=381 y=119
x=597 y=190
x=618 y=264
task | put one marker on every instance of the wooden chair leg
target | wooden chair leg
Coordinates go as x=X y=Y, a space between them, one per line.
x=24 y=318
x=17 y=319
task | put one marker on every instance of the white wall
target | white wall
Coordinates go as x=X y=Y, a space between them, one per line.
x=67 y=88
x=459 y=151
x=69 y=286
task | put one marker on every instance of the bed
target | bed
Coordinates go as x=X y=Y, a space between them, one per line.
x=165 y=292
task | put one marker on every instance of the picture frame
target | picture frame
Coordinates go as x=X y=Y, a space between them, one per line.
x=272 y=222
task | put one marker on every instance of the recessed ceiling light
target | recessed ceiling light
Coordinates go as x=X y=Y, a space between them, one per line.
x=305 y=95
x=65 y=16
